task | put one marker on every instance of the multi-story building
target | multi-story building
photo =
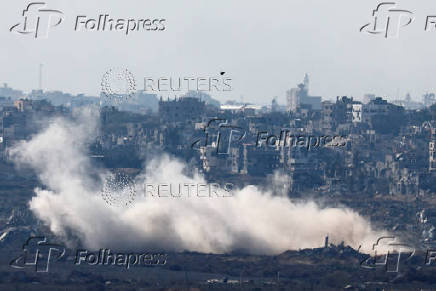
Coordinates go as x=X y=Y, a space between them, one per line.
x=327 y=114
x=299 y=96
x=429 y=99
x=185 y=109
x=8 y=92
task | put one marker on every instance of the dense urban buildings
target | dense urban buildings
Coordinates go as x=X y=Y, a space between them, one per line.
x=377 y=141
x=374 y=156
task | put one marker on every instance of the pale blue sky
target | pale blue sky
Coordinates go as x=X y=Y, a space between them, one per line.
x=264 y=46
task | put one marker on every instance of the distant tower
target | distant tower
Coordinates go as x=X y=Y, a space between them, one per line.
x=432 y=152
x=326 y=242
x=40 y=77
x=293 y=96
x=431 y=146
x=306 y=82
x=274 y=105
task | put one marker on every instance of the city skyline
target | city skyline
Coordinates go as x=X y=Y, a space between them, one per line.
x=351 y=63
x=281 y=101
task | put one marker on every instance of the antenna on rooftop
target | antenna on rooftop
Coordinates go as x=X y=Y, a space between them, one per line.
x=40 y=77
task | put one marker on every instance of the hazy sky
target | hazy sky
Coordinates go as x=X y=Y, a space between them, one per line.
x=264 y=46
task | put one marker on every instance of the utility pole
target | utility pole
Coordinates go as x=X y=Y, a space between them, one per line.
x=240 y=279
x=40 y=77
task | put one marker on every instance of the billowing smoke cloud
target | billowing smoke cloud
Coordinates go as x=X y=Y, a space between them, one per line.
x=252 y=220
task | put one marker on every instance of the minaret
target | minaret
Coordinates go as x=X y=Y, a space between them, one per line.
x=40 y=77
x=432 y=151
x=431 y=146
x=306 y=82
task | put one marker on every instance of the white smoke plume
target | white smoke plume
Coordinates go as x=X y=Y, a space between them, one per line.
x=255 y=221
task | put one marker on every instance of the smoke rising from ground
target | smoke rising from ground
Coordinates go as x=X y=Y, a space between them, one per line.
x=252 y=220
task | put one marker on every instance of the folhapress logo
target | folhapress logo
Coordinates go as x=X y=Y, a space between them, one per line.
x=38 y=20
x=387 y=20
x=392 y=255
x=38 y=253
x=225 y=136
